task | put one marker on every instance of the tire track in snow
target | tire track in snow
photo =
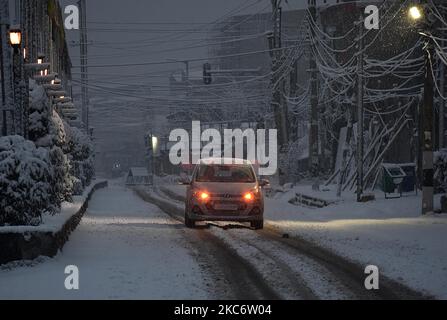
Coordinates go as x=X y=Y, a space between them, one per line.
x=308 y=270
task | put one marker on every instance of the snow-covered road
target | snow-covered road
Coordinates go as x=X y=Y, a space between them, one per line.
x=125 y=248
x=280 y=266
x=388 y=233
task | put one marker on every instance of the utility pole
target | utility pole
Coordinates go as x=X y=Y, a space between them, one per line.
x=360 y=113
x=275 y=45
x=313 y=133
x=442 y=102
x=277 y=85
x=344 y=163
x=84 y=63
x=186 y=62
x=427 y=130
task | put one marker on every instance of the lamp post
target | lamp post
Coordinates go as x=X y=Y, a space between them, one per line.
x=418 y=15
x=15 y=39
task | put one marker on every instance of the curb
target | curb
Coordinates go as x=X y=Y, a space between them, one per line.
x=30 y=245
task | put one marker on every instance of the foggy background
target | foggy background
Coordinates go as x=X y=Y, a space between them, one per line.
x=137 y=31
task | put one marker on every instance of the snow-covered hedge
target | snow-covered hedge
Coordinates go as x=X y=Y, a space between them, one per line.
x=47 y=130
x=26 y=177
x=39 y=116
x=38 y=175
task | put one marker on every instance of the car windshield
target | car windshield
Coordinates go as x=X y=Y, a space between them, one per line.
x=225 y=173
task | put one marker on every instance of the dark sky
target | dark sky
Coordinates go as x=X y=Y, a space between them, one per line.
x=135 y=31
x=163 y=20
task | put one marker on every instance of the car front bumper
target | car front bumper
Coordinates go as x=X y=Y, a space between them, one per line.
x=250 y=212
x=235 y=218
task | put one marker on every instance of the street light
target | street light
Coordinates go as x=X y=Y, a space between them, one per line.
x=415 y=13
x=15 y=38
x=154 y=143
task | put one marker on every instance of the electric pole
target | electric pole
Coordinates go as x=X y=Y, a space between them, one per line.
x=313 y=133
x=277 y=84
x=442 y=102
x=84 y=62
x=427 y=129
x=360 y=114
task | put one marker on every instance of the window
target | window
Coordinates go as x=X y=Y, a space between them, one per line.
x=225 y=173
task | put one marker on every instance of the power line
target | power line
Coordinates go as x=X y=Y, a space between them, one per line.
x=191 y=60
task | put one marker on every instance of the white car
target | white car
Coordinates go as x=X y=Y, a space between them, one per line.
x=219 y=191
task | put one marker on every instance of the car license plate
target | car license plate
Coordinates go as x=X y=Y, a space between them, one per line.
x=225 y=207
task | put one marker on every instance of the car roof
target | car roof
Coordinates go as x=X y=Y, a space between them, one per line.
x=224 y=161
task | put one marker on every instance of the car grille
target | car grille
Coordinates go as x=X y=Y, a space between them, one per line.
x=226 y=196
x=241 y=207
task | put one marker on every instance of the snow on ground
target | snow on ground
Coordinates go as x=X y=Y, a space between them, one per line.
x=265 y=255
x=124 y=248
x=389 y=233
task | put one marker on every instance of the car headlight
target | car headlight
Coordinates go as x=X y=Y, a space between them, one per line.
x=249 y=197
x=202 y=196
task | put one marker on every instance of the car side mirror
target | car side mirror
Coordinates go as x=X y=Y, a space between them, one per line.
x=264 y=183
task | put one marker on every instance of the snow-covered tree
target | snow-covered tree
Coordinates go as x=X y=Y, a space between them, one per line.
x=39 y=116
x=81 y=155
x=63 y=179
x=26 y=177
x=47 y=130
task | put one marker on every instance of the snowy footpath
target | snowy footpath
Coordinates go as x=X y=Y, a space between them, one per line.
x=388 y=233
x=124 y=248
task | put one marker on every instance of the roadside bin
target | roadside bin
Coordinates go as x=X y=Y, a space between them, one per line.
x=392 y=178
x=409 y=182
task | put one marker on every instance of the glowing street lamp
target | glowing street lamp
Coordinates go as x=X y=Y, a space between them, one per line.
x=415 y=13
x=154 y=143
x=15 y=38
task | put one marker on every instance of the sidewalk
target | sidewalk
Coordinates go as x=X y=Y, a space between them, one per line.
x=390 y=234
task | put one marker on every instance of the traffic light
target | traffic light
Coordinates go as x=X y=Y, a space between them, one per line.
x=207 y=79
